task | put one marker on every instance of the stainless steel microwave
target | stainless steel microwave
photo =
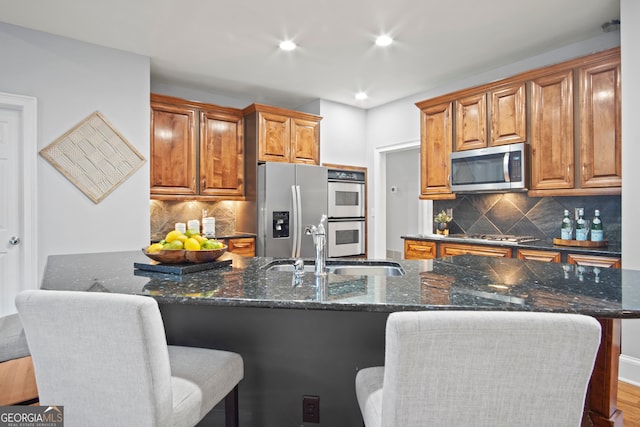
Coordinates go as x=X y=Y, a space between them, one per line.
x=492 y=169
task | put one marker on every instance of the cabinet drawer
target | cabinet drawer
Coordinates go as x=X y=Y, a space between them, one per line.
x=535 y=255
x=594 y=260
x=245 y=246
x=454 y=249
x=418 y=249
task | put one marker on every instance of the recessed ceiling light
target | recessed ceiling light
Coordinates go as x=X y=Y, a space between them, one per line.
x=361 y=96
x=287 y=45
x=384 y=40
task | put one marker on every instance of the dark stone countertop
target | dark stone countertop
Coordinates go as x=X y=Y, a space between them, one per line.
x=455 y=283
x=611 y=249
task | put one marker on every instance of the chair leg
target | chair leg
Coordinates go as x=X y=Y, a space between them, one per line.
x=231 y=408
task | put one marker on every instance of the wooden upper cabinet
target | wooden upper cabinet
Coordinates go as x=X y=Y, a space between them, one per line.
x=221 y=154
x=509 y=115
x=274 y=144
x=435 y=148
x=305 y=135
x=552 y=146
x=281 y=135
x=471 y=122
x=600 y=125
x=173 y=149
x=197 y=150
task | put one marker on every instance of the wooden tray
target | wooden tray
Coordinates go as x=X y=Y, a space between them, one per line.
x=185 y=268
x=579 y=243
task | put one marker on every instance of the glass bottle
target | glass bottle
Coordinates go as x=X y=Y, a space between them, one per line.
x=566 y=229
x=597 y=232
x=581 y=226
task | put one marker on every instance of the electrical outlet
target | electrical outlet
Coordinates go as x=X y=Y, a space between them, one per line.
x=311 y=409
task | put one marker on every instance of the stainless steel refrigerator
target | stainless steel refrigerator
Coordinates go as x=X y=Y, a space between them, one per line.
x=290 y=197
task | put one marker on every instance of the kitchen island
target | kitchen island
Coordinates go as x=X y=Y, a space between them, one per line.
x=306 y=336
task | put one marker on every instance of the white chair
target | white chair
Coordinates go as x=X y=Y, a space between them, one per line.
x=105 y=359
x=480 y=369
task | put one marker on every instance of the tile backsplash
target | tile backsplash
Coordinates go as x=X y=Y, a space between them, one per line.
x=519 y=214
x=165 y=214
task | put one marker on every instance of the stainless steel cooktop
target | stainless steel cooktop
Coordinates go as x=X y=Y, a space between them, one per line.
x=510 y=238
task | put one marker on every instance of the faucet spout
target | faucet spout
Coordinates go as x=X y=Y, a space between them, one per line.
x=318 y=233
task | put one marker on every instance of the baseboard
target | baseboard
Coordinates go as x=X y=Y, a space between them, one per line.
x=629 y=370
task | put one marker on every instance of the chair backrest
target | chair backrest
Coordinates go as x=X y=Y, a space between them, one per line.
x=102 y=356
x=461 y=368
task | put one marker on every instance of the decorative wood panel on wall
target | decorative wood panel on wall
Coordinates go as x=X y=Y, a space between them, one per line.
x=94 y=156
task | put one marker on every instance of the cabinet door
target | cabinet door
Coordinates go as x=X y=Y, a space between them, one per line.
x=274 y=140
x=509 y=115
x=536 y=255
x=600 y=125
x=221 y=155
x=594 y=260
x=471 y=122
x=454 y=249
x=173 y=150
x=419 y=249
x=552 y=165
x=435 y=149
x=305 y=141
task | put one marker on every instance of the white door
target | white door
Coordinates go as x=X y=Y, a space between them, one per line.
x=18 y=259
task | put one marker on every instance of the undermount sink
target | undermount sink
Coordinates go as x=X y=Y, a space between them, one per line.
x=350 y=268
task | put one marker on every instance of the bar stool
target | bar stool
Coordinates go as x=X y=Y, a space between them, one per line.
x=481 y=369
x=105 y=359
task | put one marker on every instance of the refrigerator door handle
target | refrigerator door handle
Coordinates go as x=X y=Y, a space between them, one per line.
x=294 y=241
x=299 y=211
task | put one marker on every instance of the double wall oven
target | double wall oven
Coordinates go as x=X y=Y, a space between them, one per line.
x=346 y=223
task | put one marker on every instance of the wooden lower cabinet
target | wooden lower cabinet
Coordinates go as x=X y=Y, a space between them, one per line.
x=419 y=249
x=594 y=260
x=244 y=246
x=454 y=249
x=536 y=255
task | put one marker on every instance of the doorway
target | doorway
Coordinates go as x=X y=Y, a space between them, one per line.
x=18 y=225
x=402 y=191
x=387 y=214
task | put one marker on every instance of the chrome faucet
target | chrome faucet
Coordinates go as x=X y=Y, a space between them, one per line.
x=320 y=242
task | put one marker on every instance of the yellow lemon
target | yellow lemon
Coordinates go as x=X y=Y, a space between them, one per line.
x=199 y=238
x=192 y=244
x=182 y=238
x=173 y=235
x=156 y=247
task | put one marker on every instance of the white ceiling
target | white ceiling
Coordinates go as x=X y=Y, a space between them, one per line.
x=230 y=47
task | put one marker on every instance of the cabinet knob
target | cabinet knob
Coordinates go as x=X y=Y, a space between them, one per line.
x=14 y=241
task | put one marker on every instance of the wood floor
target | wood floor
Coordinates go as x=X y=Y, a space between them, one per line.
x=629 y=404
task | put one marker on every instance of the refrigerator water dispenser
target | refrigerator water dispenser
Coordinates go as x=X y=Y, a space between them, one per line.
x=280 y=224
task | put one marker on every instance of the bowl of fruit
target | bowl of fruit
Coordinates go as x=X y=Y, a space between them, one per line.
x=178 y=247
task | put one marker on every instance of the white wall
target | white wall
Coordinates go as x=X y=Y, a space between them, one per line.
x=342 y=137
x=630 y=37
x=71 y=80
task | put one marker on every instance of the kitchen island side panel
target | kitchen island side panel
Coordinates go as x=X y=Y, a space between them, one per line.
x=287 y=354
